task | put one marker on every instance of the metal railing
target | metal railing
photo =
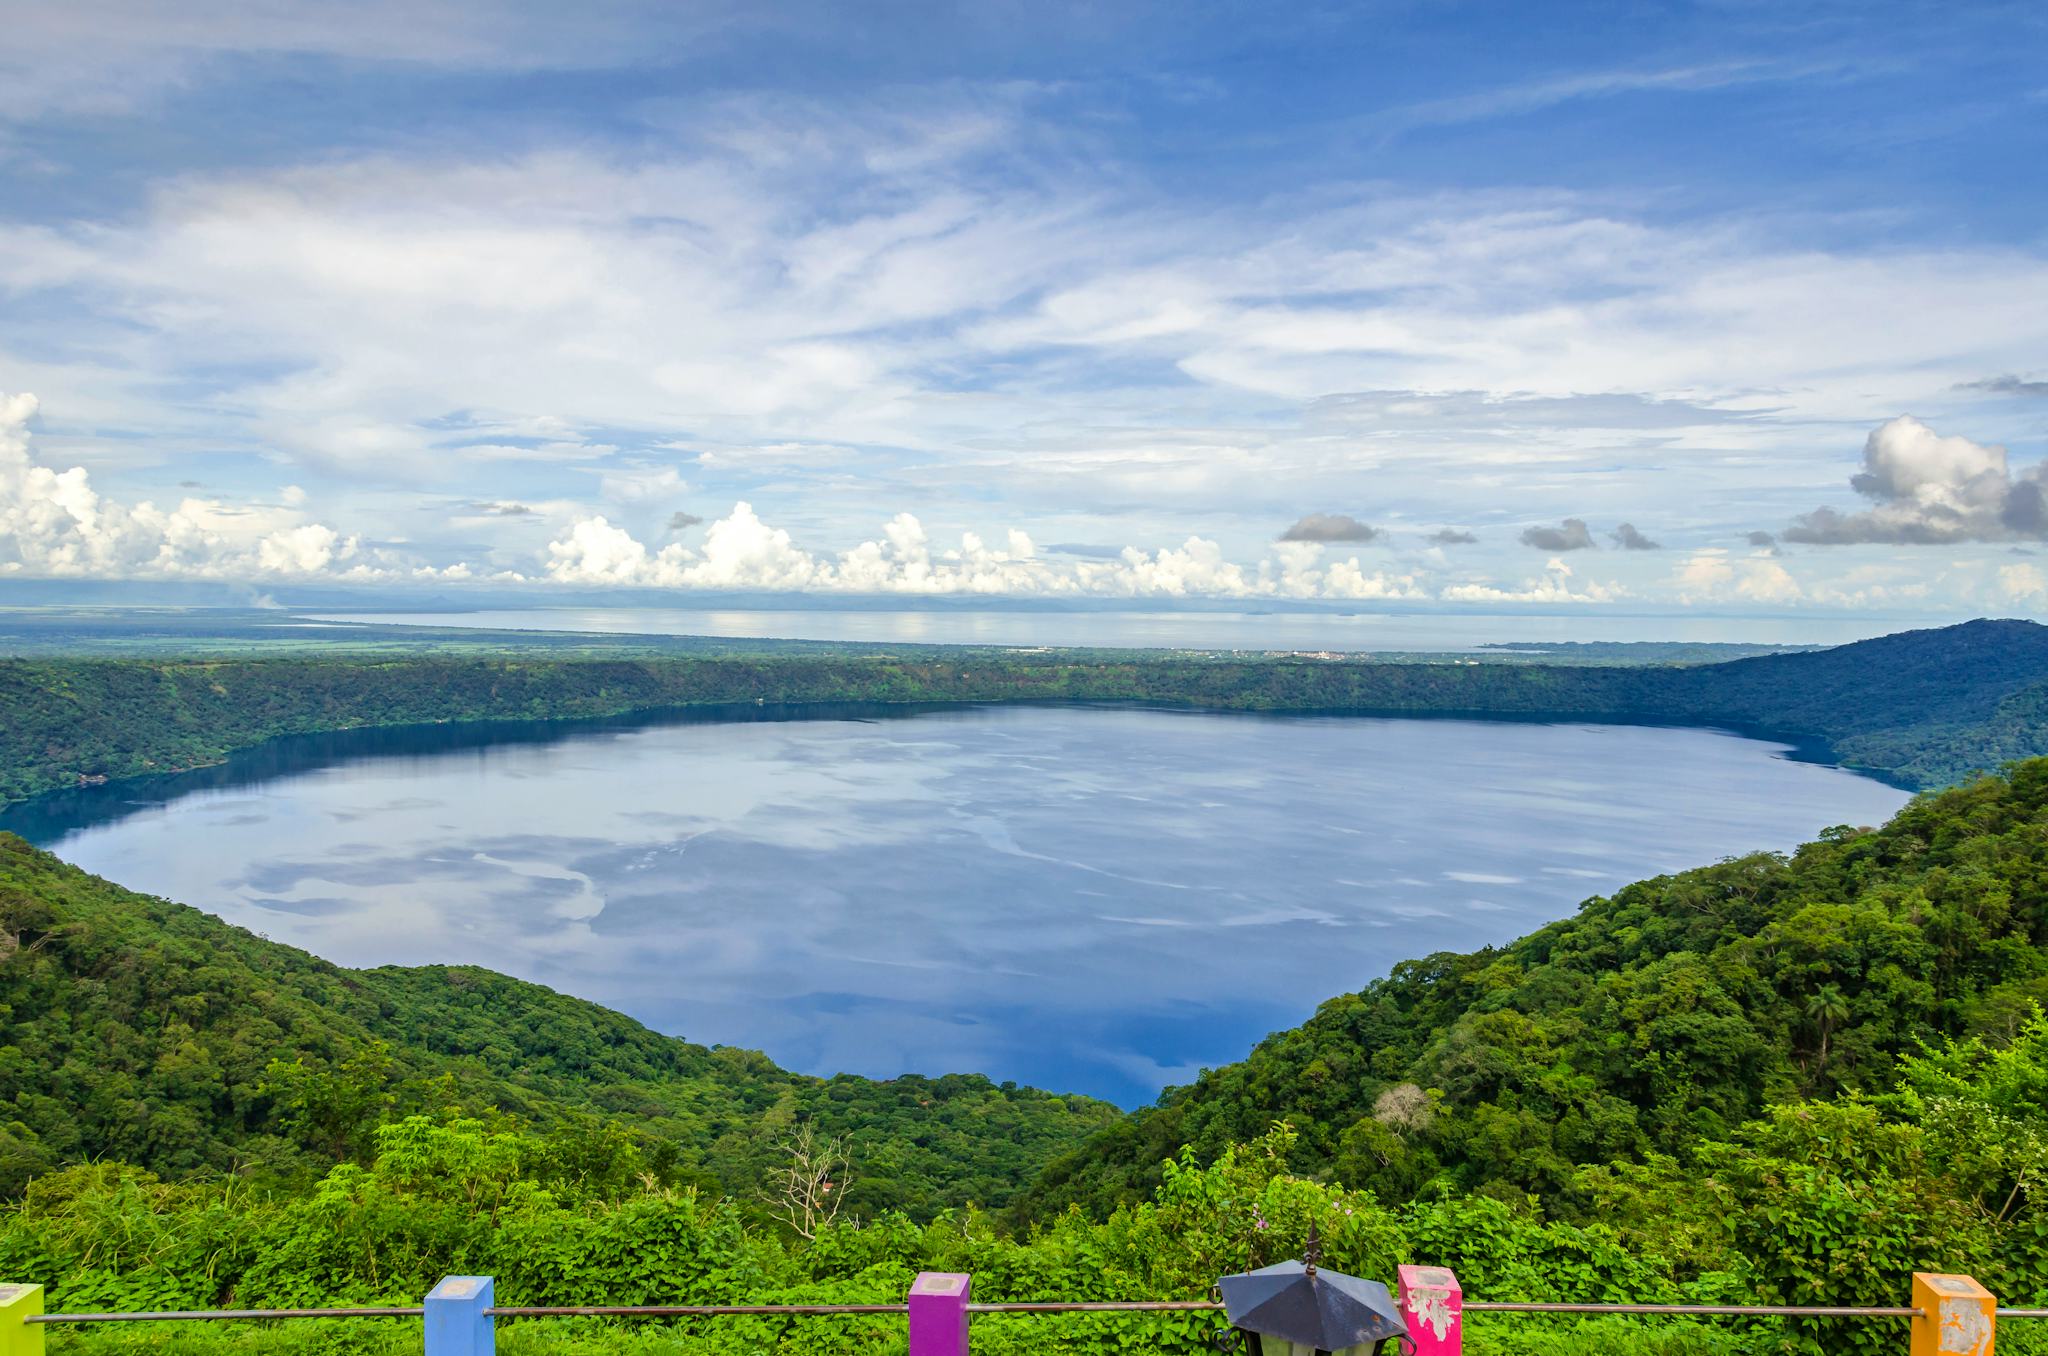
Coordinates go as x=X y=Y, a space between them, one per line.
x=1952 y=1315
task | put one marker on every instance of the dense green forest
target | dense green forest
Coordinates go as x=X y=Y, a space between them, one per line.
x=1772 y=1079
x=1653 y=1020
x=1926 y=708
x=141 y=1030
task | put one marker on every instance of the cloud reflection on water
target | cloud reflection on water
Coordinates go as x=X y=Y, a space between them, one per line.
x=1098 y=900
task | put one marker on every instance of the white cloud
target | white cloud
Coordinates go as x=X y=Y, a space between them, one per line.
x=771 y=284
x=1537 y=94
x=2021 y=581
x=595 y=552
x=929 y=300
x=99 y=56
x=903 y=563
x=54 y=523
x=742 y=552
x=306 y=549
x=1713 y=576
x=1930 y=489
x=551 y=454
x=1554 y=585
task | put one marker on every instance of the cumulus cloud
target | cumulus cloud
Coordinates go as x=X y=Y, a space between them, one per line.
x=1329 y=527
x=1628 y=539
x=903 y=562
x=1928 y=489
x=2021 y=581
x=1451 y=536
x=679 y=520
x=54 y=523
x=1570 y=535
x=742 y=552
x=1554 y=585
x=1711 y=575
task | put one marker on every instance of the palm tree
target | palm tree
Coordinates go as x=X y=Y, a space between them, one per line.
x=1829 y=1007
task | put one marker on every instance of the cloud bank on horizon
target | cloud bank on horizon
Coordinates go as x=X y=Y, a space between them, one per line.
x=756 y=298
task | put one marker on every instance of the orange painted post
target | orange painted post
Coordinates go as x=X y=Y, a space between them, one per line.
x=1956 y=1316
x=18 y=1337
x=1433 y=1306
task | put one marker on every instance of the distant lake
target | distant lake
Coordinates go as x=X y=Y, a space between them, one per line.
x=1088 y=899
x=1141 y=629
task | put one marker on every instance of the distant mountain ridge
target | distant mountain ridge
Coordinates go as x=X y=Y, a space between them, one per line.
x=1925 y=708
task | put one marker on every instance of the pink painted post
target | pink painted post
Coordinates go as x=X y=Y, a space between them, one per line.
x=1433 y=1306
x=938 y=1314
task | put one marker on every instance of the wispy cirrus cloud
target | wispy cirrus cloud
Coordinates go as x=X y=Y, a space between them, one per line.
x=975 y=298
x=1529 y=96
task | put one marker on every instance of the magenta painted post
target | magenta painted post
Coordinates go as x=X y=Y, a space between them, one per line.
x=938 y=1314
x=1433 y=1306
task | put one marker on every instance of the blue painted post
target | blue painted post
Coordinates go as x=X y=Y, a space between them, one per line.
x=456 y=1322
x=19 y=1337
x=938 y=1313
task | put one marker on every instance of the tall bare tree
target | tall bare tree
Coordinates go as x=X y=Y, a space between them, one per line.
x=805 y=1189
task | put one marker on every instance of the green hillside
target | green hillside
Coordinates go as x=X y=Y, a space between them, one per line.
x=142 y=1030
x=1927 y=708
x=1661 y=1017
x=1768 y=1081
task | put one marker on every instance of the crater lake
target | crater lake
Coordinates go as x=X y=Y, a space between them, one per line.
x=1090 y=899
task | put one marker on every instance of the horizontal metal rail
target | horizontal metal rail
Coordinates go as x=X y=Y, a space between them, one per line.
x=997 y=1307
x=1705 y=1310
x=209 y=1315
x=1095 y=1307
x=685 y=1310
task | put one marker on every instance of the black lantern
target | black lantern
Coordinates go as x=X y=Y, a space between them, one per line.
x=1292 y=1309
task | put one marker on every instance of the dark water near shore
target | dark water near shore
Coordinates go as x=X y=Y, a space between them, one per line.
x=1100 y=900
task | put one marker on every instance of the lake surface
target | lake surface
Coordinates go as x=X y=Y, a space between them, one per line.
x=1147 y=629
x=1089 y=899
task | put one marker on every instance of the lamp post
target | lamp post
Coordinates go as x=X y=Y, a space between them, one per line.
x=1294 y=1309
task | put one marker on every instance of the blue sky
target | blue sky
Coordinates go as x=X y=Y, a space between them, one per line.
x=1120 y=300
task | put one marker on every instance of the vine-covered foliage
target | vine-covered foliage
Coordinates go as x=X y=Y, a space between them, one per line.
x=1831 y=1201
